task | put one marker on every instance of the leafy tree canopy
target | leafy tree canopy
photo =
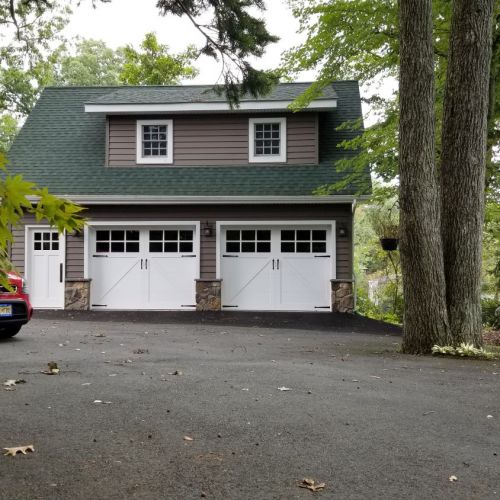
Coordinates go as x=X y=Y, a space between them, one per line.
x=232 y=35
x=154 y=65
x=359 y=40
x=86 y=63
x=28 y=30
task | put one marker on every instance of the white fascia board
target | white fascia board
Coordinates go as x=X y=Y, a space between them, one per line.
x=192 y=107
x=208 y=200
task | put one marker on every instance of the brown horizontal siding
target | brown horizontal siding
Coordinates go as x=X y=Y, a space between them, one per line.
x=17 y=249
x=211 y=214
x=74 y=257
x=214 y=139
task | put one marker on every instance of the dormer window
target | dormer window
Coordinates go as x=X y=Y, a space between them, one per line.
x=267 y=140
x=154 y=141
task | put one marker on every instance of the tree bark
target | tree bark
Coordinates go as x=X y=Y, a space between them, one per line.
x=425 y=314
x=464 y=163
x=492 y=134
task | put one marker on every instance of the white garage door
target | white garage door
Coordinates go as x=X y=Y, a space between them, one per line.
x=286 y=268
x=143 y=268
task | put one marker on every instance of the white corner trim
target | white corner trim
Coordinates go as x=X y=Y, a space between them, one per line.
x=86 y=243
x=192 y=107
x=170 y=143
x=281 y=158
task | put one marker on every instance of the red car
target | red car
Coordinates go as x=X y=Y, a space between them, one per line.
x=15 y=307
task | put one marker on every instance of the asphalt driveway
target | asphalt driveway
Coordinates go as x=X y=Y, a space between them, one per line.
x=365 y=420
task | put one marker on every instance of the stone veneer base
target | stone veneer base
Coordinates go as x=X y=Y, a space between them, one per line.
x=342 y=296
x=208 y=295
x=77 y=294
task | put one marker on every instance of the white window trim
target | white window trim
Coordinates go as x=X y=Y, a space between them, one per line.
x=150 y=160
x=281 y=158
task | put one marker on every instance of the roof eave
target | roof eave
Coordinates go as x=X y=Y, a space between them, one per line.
x=200 y=107
x=208 y=200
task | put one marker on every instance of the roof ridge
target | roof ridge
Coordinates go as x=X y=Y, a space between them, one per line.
x=198 y=85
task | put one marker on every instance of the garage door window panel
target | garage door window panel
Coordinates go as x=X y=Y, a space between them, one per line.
x=117 y=241
x=303 y=241
x=171 y=241
x=248 y=241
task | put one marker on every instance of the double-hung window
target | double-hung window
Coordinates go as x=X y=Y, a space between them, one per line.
x=154 y=141
x=267 y=140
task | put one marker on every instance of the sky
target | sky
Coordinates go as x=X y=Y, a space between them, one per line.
x=123 y=22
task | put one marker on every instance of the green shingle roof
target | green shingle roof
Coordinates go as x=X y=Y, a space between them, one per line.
x=198 y=93
x=63 y=148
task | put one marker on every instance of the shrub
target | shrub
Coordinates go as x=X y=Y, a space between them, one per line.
x=491 y=313
x=463 y=350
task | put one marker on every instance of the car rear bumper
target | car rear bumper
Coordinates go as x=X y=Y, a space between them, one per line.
x=20 y=313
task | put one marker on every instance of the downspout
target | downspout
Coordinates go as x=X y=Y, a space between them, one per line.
x=354 y=287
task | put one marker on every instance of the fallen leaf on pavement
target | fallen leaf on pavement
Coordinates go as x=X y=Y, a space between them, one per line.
x=98 y=401
x=53 y=369
x=188 y=438
x=311 y=484
x=283 y=388
x=10 y=385
x=141 y=351
x=177 y=372
x=452 y=479
x=12 y=452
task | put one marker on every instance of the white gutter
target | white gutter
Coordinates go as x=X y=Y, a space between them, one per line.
x=192 y=107
x=206 y=200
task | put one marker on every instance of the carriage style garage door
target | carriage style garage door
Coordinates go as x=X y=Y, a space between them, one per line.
x=276 y=268
x=143 y=267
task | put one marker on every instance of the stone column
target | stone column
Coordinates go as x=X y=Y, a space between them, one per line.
x=342 y=296
x=77 y=294
x=208 y=295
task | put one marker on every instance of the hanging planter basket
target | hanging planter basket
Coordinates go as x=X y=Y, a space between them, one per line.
x=389 y=244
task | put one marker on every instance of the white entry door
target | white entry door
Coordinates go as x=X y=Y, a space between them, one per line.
x=276 y=268
x=45 y=268
x=143 y=268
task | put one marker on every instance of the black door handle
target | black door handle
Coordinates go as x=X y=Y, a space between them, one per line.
x=273 y=264
x=60 y=272
x=141 y=263
x=277 y=263
x=146 y=261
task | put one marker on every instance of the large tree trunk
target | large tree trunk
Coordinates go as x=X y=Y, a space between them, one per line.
x=492 y=139
x=425 y=315
x=464 y=162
